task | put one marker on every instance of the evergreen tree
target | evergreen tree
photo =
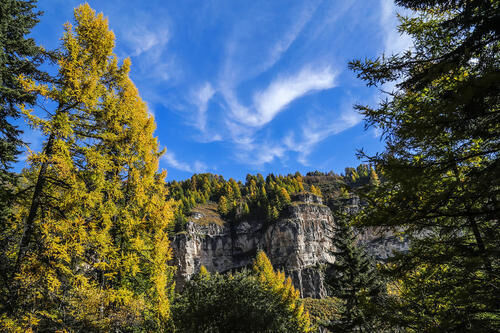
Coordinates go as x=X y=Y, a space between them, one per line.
x=231 y=303
x=441 y=164
x=353 y=278
x=19 y=55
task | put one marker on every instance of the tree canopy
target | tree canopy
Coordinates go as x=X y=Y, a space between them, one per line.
x=441 y=166
x=19 y=55
x=92 y=223
x=242 y=302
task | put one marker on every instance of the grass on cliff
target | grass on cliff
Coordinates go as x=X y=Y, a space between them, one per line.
x=209 y=213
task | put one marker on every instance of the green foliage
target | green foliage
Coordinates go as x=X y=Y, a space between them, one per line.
x=355 y=281
x=334 y=188
x=240 y=302
x=323 y=310
x=19 y=55
x=441 y=165
x=259 y=198
x=256 y=199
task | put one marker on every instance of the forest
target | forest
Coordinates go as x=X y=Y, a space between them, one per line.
x=86 y=226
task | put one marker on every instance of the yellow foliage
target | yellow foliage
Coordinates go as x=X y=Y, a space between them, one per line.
x=100 y=217
x=276 y=283
x=316 y=190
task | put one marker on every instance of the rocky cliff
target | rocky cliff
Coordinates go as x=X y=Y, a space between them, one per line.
x=378 y=242
x=297 y=243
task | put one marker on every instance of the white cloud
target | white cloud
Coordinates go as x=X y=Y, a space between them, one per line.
x=287 y=39
x=394 y=41
x=251 y=34
x=202 y=97
x=315 y=131
x=262 y=153
x=269 y=102
x=141 y=39
x=243 y=124
x=147 y=46
x=281 y=92
x=172 y=161
x=259 y=152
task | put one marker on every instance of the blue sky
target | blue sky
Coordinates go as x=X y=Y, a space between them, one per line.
x=241 y=87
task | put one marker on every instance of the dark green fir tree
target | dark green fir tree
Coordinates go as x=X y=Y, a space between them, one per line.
x=19 y=55
x=354 y=279
x=441 y=166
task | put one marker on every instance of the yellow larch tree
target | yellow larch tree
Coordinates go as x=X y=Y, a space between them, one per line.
x=276 y=283
x=93 y=231
x=316 y=190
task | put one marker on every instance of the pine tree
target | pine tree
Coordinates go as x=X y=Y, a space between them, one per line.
x=441 y=164
x=94 y=250
x=19 y=55
x=353 y=278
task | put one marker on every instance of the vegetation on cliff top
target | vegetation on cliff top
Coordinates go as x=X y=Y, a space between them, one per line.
x=260 y=198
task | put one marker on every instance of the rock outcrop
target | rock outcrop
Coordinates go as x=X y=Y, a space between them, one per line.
x=378 y=242
x=298 y=243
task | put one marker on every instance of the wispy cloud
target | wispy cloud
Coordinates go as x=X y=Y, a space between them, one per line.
x=262 y=153
x=316 y=130
x=257 y=152
x=172 y=161
x=201 y=98
x=272 y=40
x=282 y=91
x=141 y=39
x=145 y=39
x=394 y=41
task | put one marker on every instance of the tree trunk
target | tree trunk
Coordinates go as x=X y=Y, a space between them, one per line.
x=35 y=204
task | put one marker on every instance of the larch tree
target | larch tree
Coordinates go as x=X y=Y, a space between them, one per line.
x=276 y=283
x=441 y=164
x=94 y=245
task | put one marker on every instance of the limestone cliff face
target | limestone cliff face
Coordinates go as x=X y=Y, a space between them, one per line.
x=379 y=243
x=297 y=244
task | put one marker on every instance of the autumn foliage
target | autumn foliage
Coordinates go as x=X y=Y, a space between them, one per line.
x=93 y=221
